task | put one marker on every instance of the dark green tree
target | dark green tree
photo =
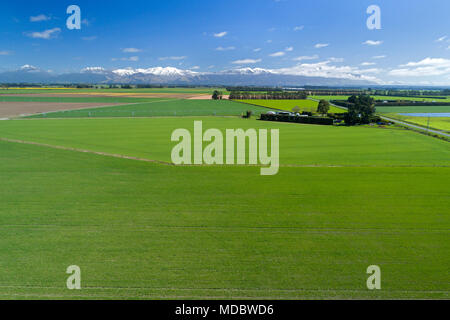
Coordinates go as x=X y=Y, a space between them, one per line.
x=360 y=109
x=217 y=95
x=324 y=107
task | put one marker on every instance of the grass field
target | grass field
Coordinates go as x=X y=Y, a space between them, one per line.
x=161 y=107
x=414 y=109
x=288 y=105
x=344 y=198
x=438 y=123
x=426 y=99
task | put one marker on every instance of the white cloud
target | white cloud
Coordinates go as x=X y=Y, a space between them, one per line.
x=373 y=42
x=225 y=49
x=131 y=50
x=172 y=58
x=93 y=69
x=247 y=61
x=195 y=68
x=368 y=64
x=333 y=59
x=277 y=54
x=327 y=70
x=423 y=68
x=301 y=58
x=441 y=39
x=257 y=50
x=299 y=28
x=379 y=57
x=39 y=18
x=289 y=49
x=269 y=41
x=5 y=53
x=132 y=59
x=321 y=45
x=220 y=34
x=47 y=34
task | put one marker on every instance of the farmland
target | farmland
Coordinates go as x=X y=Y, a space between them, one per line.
x=287 y=105
x=158 y=108
x=345 y=198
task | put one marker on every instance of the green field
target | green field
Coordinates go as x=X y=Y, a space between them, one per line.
x=426 y=99
x=344 y=198
x=288 y=105
x=160 y=107
x=438 y=123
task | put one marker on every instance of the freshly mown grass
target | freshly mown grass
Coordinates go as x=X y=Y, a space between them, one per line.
x=288 y=105
x=300 y=144
x=148 y=231
x=161 y=107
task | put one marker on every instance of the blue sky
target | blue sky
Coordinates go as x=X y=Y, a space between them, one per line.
x=317 y=38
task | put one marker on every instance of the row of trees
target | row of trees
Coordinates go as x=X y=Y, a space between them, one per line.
x=269 y=95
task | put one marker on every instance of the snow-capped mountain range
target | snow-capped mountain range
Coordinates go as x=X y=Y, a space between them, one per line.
x=175 y=76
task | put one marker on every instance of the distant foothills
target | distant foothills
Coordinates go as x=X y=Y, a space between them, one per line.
x=175 y=76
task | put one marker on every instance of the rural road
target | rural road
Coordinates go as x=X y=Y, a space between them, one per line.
x=415 y=127
x=405 y=124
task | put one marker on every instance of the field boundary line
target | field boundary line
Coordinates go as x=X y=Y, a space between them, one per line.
x=114 y=104
x=120 y=156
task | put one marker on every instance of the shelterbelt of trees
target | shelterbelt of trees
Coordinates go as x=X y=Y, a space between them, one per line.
x=270 y=95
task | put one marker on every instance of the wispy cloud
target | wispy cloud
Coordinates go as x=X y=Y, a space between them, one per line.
x=373 y=42
x=441 y=39
x=247 y=61
x=131 y=50
x=289 y=49
x=379 y=57
x=365 y=64
x=301 y=58
x=321 y=45
x=299 y=28
x=173 y=58
x=278 y=54
x=220 y=34
x=47 y=34
x=5 y=53
x=333 y=59
x=131 y=59
x=257 y=50
x=39 y=18
x=225 y=48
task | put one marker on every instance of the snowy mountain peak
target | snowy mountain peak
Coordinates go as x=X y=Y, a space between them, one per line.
x=29 y=68
x=157 y=71
x=249 y=71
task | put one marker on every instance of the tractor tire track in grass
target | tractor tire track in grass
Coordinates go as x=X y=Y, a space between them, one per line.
x=122 y=156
